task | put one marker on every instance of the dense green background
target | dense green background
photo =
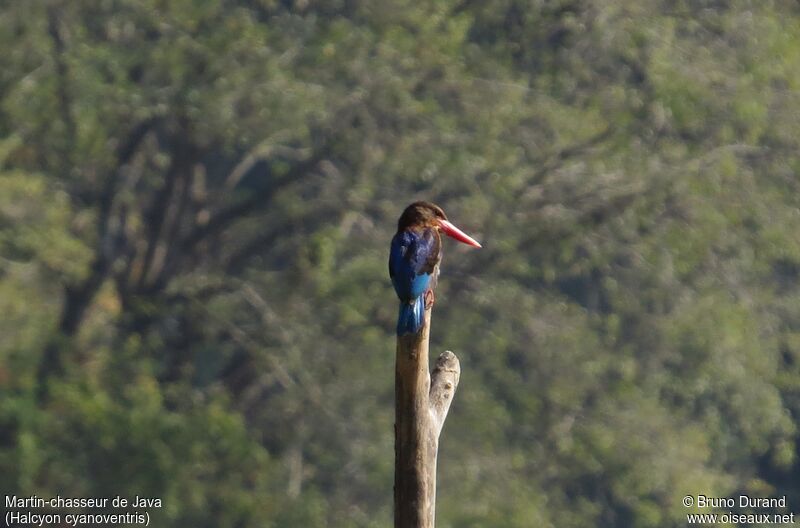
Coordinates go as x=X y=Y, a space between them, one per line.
x=196 y=203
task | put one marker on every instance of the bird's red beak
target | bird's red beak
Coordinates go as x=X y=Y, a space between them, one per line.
x=454 y=232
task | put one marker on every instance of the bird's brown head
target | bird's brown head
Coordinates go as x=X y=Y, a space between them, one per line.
x=421 y=214
x=426 y=214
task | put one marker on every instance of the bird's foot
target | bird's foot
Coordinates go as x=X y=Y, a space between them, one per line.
x=429 y=299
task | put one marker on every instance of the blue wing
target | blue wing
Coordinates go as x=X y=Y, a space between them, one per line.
x=412 y=261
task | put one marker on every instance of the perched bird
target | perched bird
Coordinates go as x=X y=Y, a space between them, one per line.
x=414 y=259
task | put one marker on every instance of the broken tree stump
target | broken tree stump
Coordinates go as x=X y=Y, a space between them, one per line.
x=421 y=405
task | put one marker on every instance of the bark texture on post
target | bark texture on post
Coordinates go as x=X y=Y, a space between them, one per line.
x=421 y=405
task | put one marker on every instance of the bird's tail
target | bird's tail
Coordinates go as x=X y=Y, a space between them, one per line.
x=411 y=316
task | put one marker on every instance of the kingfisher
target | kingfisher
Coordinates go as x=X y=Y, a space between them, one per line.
x=414 y=259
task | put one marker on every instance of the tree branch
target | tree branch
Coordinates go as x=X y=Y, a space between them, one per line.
x=259 y=153
x=160 y=207
x=62 y=88
x=556 y=161
x=161 y=273
x=227 y=216
x=126 y=149
x=444 y=382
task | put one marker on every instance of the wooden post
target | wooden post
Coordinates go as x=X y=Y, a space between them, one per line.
x=421 y=405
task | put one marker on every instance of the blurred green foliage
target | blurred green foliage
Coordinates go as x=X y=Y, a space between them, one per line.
x=196 y=202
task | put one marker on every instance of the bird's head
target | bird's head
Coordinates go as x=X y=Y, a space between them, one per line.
x=427 y=214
